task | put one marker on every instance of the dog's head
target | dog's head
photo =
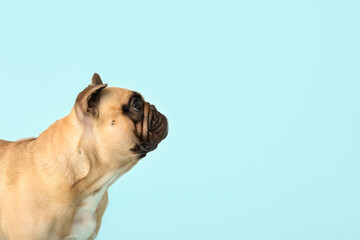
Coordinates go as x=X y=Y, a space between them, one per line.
x=119 y=121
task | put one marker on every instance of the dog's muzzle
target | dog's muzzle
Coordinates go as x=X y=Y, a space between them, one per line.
x=156 y=130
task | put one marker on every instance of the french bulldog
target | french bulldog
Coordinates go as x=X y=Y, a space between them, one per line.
x=55 y=186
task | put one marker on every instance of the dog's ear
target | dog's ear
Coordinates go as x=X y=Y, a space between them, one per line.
x=87 y=101
x=96 y=80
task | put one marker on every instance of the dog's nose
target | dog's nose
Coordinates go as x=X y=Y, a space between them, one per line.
x=152 y=108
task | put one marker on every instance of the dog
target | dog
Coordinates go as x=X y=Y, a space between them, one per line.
x=55 y=186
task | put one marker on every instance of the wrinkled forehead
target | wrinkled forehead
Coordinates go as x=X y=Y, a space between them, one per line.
x=118 y=96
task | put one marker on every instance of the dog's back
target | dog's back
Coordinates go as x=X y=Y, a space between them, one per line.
x=3 y=145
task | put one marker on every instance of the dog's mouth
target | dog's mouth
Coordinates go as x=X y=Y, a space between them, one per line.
x=154 y=130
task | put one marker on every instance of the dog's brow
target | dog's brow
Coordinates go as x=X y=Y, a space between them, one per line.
x=136 y=95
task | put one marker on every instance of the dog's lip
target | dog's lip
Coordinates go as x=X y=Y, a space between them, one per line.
x=142 y=149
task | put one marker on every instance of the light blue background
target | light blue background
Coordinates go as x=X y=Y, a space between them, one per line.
x=263 y=100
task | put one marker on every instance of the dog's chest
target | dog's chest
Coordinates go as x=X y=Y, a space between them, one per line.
x=84 y=223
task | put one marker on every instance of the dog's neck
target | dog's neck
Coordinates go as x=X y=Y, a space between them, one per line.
x=77 y=163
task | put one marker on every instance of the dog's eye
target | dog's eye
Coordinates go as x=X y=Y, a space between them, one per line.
x=137 y=105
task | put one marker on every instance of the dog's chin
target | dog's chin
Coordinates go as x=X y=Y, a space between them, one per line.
x=158 y=130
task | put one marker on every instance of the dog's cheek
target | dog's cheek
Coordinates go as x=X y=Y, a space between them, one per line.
x=117 y=137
